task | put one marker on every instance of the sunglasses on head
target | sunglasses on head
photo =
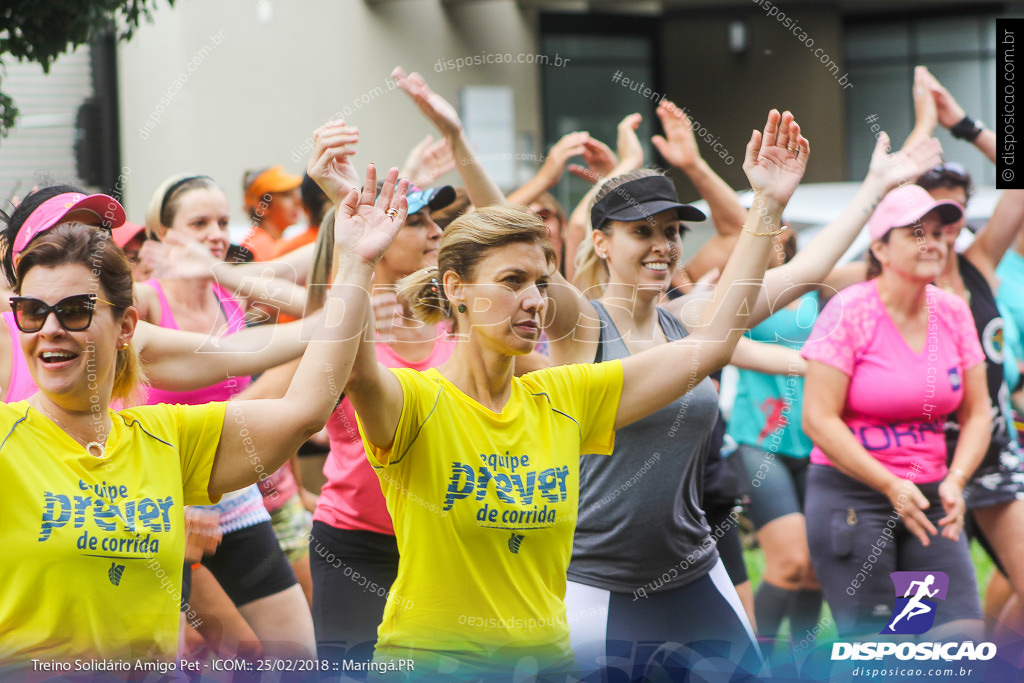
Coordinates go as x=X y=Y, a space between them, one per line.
x=950 y=169
x=74 y=313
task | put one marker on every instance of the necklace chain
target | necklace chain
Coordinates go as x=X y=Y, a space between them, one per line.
x=100 y=446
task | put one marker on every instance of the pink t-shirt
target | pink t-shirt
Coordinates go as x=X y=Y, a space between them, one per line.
x=898 y=400
x=22 y=385
x=351 y=497
x=221 y=391
x=278 y=488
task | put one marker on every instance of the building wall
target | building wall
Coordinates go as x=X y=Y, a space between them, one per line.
x=729 y=94
x=259 y=77
x=40 y=147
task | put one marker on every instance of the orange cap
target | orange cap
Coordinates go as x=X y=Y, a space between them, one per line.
x=273 y=179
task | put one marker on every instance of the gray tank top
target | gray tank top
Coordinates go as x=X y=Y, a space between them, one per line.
x=640 y=520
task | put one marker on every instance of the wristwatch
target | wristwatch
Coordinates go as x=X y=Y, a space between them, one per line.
x=967 y=129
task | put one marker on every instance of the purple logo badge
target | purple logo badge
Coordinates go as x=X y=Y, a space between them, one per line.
x=916 y=596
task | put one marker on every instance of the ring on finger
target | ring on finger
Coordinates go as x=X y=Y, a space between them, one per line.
x=392 y=213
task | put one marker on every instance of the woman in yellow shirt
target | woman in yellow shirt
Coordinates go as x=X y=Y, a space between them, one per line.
x=93 y=530
x=482 y=468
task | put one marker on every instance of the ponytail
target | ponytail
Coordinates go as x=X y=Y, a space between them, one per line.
x=423 y=293
x=591 y=272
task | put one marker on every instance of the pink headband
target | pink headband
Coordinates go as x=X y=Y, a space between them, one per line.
x=52 y=212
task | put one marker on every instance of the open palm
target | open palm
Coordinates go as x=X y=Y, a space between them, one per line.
x=777 y=157
x=366 y=228
x=905 y=165
x=436 y=108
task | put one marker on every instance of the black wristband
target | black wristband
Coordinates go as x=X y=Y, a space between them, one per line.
x=967 y=129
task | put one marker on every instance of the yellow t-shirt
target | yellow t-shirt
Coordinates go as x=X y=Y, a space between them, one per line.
x=93 y=549
x=484 y=506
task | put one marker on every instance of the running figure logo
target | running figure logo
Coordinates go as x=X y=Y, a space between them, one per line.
x=916 y=595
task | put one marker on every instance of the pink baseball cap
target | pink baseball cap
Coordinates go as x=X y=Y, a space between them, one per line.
x=52 y=212
x=126 y=233
x=906 y=206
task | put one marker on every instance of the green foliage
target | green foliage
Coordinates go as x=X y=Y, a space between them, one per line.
x=42 y=30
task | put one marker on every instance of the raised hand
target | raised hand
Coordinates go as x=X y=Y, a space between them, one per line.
x=365 y=228
x=568 y=146
x=598 y=161
x=777 y=157
x=330 y=164
x=178 y=257
x=433 y=106
x=948 y=109
x=678 y=146
x=905 y=165
x=926 y=114
x=631 y=152
x=428 y=161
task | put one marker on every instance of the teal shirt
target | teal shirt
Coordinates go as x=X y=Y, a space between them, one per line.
x=1010 y=299
x=768 y=408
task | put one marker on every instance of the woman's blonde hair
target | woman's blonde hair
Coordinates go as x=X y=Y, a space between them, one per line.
x=163 y=205
x=321 y=272
x=591 y=271
x=465 y=243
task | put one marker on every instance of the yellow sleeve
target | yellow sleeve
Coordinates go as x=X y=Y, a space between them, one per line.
x=590 y=394
x=199 y=430
x=416 y=390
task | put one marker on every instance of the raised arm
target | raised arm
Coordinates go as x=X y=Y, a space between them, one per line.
x=811 y=266
x=631 y=158
x=679 y=148
x=481 y=189
x=277 y=427
x=428 y=161
x=774 y=163
x=550 y=172
x=999 y=234
x=926 y=114
x=176 y=360
x=180 y=256
x=953 y=117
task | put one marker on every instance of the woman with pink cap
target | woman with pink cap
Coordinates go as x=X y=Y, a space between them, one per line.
x=173 y=359
x=888 y=360
x=93 y=534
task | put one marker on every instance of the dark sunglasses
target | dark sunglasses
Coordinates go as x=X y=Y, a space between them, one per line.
x=74 y=313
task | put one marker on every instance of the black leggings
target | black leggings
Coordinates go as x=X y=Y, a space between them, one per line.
x=352 y=574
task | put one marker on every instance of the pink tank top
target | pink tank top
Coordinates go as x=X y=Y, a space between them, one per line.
x=351 y=498
x=222 y=391
x=22 y=385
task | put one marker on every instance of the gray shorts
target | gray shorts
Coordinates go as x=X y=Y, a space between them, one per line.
x=781 y=489
x=856 y=539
